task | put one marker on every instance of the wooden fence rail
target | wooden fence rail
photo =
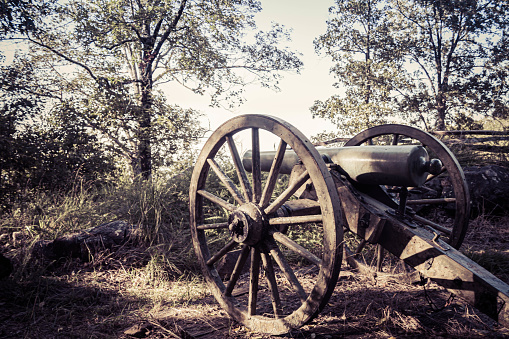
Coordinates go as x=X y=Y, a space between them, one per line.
x=488 y=145
x=495 y=142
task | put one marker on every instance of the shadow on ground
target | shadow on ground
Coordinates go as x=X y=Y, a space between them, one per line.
x=81 y=303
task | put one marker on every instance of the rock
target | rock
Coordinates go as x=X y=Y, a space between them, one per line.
x=489 y=189
x=139 y=331
x=86 y=243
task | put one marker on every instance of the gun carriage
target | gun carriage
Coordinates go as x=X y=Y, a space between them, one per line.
x=294 y=214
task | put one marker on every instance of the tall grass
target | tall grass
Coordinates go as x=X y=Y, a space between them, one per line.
x=158 y=208
x=116 y=287
x=49 y=215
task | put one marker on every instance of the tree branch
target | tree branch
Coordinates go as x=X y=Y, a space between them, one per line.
x=172 y=27
x=121 y=43
x=65 y=57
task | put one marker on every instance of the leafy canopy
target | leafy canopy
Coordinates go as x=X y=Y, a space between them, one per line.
x=438 y=62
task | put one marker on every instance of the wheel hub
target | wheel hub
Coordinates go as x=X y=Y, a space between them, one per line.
x=247 y=224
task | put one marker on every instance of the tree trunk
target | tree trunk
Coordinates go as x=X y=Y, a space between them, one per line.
x=441 y=108
x=145 y=117
x=144 y=145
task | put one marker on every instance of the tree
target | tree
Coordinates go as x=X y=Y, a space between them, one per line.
x=16 y=16
x=127 y=48
x=447 y=60
x=356 y=39
x=36 y=152
x=453 y=45
x=14 y=109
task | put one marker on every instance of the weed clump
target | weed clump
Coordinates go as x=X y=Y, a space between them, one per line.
x=156 y=208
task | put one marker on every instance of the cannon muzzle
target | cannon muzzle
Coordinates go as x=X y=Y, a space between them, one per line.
x=374 y=165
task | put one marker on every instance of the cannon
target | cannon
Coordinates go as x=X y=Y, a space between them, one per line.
x=290 y=218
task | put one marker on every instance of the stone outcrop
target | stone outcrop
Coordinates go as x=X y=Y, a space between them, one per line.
x=488 y=188
x=88 y=242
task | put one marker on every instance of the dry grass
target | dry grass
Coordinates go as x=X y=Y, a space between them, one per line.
x=107 y=296
x=99 y=298
x=487 y=243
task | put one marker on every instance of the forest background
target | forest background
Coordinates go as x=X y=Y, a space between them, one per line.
x=91 y=79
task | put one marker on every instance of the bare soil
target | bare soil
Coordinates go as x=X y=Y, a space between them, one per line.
x=115 y=296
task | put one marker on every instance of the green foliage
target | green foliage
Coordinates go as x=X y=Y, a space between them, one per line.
x=111 y=116
x=48 y=160
x=16 y=16
x=38 y=153
x=357 y=37
x=48 y=215
x=437 y=63
x=158 y=207
x=455 y=48
x=310 y=236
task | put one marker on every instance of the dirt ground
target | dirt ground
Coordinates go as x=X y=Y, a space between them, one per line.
x=104 y=299
x=359 y=308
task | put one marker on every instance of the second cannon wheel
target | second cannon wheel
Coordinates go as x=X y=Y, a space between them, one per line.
x=452 y=226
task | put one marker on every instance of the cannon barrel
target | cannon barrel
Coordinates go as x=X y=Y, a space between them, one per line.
x=374 y=165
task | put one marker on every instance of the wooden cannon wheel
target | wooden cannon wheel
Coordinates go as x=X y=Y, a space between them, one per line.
x=274 y=295
x=452 y=229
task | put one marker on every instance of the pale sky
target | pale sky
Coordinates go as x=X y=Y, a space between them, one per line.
x=298 y=91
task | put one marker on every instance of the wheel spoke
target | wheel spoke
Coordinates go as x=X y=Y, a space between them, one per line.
x=253 y=281
x=438 y=227
x=431 y=201
x=230 y=186
x=395 y=137
x=217 y=200
x=287 y=271
x=283 y=239
x=292 y=188
x=212 y=226
x=241 y=172
x=271 y=282
x=227 y=248
x=296 y=220
x=274 y=171
x=257 y=174
x=237 y=270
